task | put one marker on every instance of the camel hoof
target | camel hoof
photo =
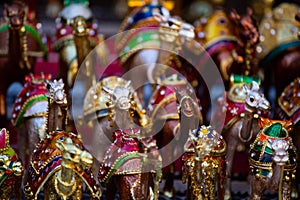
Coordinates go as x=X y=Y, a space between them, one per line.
x=227 y=195
x=294 y=194
x=169 y=193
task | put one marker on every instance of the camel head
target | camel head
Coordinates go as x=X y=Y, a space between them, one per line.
x=173 y=29
x=120 y=97
x=79 y=26
x=56 y=91
x=15 y=14
x=255 y=99
x=72 y=154
x=187 y=101
x=280 y=147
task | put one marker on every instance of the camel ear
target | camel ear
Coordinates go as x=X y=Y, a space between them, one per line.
x=254 y=86
x=60 y=81
x=59 y=144
x=246 y=89
x=158 y=17
x=48 y=84
x=270 y=141
x=234 y=15
x=165 y=12
x=249 y=11
x=128 y=84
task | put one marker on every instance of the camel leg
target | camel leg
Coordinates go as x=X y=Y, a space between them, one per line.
x=221 y=180
x=129 y=187
x=22 y=135
x=146 y=183
x=229 y=157
x=77 y=195
x=257 y=187
x=49 y=190
x=168 y=189
x=189 y=192
x=168 y=157
x=111 y=189
x=286 y=190
x=17 y=188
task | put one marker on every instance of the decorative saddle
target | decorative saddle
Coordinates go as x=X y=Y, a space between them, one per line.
x=125 y=155
x=121 y=156
x=261 y=152
x=232 y=103
x=139 y=30
x=33 y=93
x=10 y=164
x=46 y=160
x=289 y=102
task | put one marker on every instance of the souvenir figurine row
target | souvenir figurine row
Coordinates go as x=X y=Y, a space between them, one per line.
x=130 y=136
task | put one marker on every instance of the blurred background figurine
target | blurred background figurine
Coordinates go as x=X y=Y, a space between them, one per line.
x=11 y=169
x=20 y=45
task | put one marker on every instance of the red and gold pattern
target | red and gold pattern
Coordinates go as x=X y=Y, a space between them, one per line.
x=46 y=160
x=124 y=150
x=33 y=92
x=261 y=151
x=204 y=151
x=164 y=98
x=64 y=36
x=11 y=169
x=289 y=102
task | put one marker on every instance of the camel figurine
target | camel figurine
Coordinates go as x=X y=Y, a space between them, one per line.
x=110 y=105
x=147 y=44
x=230 y=40
x=288 y=109
x=132 y=166
x=76 y=36
x=57 y=116
x=204 y=167
x=226 y=40
x=30 y=110
x=242 y=107
x=11 y=169
x=59 y=164
x=272 y=159
x=20 y=45
x=279 y=51
x=174 y=110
